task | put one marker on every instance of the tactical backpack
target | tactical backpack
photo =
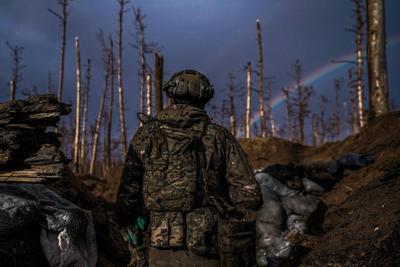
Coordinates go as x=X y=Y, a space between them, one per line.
x=173 y=168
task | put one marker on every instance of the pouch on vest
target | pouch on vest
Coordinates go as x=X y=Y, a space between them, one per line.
x=167 y=229
x=201 y=231
x=237 y=243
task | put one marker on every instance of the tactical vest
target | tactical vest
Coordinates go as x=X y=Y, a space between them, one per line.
x=174 y=189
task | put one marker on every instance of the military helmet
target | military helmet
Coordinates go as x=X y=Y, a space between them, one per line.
x=189 y=84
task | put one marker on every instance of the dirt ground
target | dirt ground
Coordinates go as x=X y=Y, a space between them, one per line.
x=361 y=225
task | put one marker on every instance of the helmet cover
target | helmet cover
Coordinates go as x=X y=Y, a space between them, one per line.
x=189 y=84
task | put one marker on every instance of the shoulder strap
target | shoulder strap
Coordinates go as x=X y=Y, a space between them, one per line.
x=144 y=118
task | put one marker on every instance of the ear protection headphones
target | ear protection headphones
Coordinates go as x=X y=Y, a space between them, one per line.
x=191 y=84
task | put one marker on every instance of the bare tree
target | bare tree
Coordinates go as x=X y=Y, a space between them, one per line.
x=141 y=46
x=301 y=102
x=322 y=125
x=289 y=113
x=49 y=83
x=376 y=54
x=100 y=114
x=63 y=25
x=232 y=111
x=16 y=75
x=358 y=30
x=144 y=48
x=261 y=81
x=110 y=103
x=248 y=101
x=148 y=94
x=223 y=112
x=336 y=112
x=271 y=123
x=78 y=106
x=158 y=81
x=85 y=106
x=122 y=4
x=353 y=97
x=359 y=43
x=346 y=118
x=315 y=130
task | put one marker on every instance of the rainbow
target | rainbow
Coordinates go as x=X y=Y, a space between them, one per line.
x=323 y=72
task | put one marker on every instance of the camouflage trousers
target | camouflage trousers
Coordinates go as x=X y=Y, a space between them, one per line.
x=179 y=258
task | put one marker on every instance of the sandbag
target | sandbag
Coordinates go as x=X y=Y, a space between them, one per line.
x=303 y=205
x=67 y=236
x=274 y=184
x=16 y=213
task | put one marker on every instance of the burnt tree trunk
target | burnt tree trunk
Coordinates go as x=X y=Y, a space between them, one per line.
x=376 y=54
x=78 y=106
x=315 y=135
x=289 y=113
x=97 y=125
x=359 y=42
x=111 y=104
x=85 y=106
x=269 y=108
x=16 y=75
x=336 y=112
x=232 y=115
x=261 y=81
x=142 y=47
x=158 y=81
x=248 y=102
x=323 y=102
x=120 y=81
x=353 y=97
x=63 y=24
x=148 y=94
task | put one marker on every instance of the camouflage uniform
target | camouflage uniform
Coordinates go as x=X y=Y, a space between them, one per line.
x=229 y=182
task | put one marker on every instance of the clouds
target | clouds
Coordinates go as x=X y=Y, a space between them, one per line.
x=214 y=36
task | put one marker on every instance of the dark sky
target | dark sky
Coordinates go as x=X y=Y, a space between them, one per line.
x=212 y=36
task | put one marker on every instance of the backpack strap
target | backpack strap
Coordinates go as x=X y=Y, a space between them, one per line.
x=144 y=118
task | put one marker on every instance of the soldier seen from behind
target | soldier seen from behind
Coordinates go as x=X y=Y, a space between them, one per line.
x=187 y=195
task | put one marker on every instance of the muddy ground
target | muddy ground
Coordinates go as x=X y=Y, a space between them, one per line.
x=361 y=223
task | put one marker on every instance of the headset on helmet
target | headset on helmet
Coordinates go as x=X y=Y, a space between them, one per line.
x=191 y=84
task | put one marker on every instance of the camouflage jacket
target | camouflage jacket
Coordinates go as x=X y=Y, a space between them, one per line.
x=231 y=183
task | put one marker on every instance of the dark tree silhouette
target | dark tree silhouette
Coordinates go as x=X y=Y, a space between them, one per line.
x=16 y=74
x=122 y=10
x=63 y=25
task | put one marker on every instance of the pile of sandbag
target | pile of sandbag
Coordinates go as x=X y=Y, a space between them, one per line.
x=283 y=219
x=29 y=150
x=291 y=205
x=37 y=226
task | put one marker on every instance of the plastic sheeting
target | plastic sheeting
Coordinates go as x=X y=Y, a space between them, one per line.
x=285 y=211
x=67 y=234
x=354 y=160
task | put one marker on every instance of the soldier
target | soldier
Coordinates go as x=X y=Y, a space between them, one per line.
x=187 y=195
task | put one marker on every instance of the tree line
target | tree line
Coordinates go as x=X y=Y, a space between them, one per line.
x=94 y=150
